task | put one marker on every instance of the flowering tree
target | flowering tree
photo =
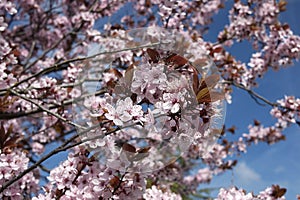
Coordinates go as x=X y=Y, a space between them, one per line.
x=137 y=106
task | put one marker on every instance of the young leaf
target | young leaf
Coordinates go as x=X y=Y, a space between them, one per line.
x=277 y=191
x=210 y=81
x=114 y=182
x=154 y=55
x=177 y=60
x=212 y=97
x=128 y=147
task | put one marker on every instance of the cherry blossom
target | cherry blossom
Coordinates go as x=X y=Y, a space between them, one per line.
x=155 y=193
x=12 y=164
x=136 y=110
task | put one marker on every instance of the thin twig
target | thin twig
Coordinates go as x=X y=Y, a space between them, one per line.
x=7 y=116
x=253 y=94
x=46 y=109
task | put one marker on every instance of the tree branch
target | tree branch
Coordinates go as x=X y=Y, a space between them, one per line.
x=7 y=116
x=253 y=94
x=46 y=109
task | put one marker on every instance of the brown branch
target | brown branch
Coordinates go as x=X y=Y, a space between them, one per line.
x=46 y=109
x=253 y=94
x=47 y=51
x=257 y=97
x=7 y=116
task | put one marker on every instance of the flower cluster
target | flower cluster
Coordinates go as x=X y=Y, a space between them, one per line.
x=287 y=111
x=124 y=111
x=234 y=193
x=155 y=193
x=268 y=134
x=270 y=193
x=12 y=164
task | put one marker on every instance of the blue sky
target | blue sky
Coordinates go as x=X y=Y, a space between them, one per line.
x=264 y=165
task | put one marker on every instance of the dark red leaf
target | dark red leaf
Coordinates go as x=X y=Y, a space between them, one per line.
x=144 y=150
x=277 y=191
x=195 y=80
x=217 y=49
x=256 y=122
x=114 y=182
x=153 y=54
x=2 y=135
x=231 y=129
x=177 y=60
x=115 y=72
x=128 y=147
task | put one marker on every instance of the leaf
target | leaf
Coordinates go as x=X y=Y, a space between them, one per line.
x=195 y=80
x=177 y=60
x=144 y=150
x=256 y=123
x=153 y=54
x=277 y=191
x=129 y=148
x=2 y=135
x=217 y=49
x=16 y=52
x=200 y=62
x=115 y=72
x=213 y=96
x=171 y=162
x=282 y=5
x=114 y=182
x=210 y=81
x=12 y=142
x=129 y=74
x=202 y=93
x=139 y=156
x=231 y=129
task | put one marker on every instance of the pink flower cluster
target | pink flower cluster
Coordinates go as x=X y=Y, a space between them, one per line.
x=267 y=134
x=156 y=193
x=270 y=193
x=287 y=112
x=12 y=164
x=234 y=193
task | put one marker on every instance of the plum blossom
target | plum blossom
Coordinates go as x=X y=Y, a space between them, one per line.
x=202 y=176
x=156 y=193
x=12 y=164
x=3 y=25
x=64 y=175
x=44 y=46
x=268 y=134
x=234 y=194
x=124 y=111
x=149 y=82
x=9 y=6
x=287 y=112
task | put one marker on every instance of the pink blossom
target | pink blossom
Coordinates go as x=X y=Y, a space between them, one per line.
x=9 y=6
x=233 y=194
x=155 y=193
x=12 y=164
x=124 y=111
